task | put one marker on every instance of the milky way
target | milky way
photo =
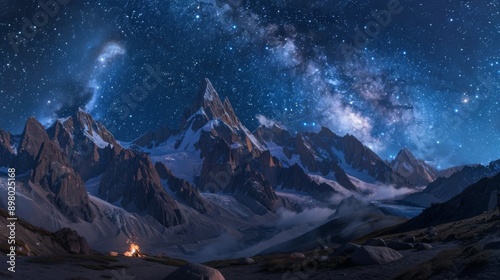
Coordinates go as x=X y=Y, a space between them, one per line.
x=421 y=74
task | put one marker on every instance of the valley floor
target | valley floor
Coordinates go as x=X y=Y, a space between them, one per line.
x=467 y=249
x=388 y=271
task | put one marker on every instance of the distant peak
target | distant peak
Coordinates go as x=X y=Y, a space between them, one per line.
x=406 y=153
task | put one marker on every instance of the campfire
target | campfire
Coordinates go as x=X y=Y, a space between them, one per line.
x=133 y=251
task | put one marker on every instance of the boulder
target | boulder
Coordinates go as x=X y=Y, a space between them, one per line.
x=398 y=245
x=297 y=256
x=375 y=242
x=410 y=239
x=370 y=255
x=424 y=246
x=246 y=261
x=194 y=271
x=72 y=241
x=431 y=231
x=323 y=258
x=344 y=249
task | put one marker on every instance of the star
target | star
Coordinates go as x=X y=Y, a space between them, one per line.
x=301 y=63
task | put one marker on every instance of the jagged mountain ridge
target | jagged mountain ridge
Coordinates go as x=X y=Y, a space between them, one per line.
x=330 y=155
x=230 y=159
x=211 y=131
x=166 y=174
x=90 y=147
x=444 y=188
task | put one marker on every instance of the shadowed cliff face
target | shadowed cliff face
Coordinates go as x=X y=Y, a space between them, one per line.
x=66 y=190
x=7 y=152
x=132 y=181
x=472 y=201
x=33 y=136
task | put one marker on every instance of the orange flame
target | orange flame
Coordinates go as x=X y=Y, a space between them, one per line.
x=133 y=251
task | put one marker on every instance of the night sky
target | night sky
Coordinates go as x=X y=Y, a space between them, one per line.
x=428 y=78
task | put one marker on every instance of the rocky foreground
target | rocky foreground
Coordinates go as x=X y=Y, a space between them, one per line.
x=465 y=249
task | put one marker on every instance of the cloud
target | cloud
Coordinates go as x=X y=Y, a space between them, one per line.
x=74 y=95
x=263 y=120
x=388 y=192
x=109 y=52
x=310 y=216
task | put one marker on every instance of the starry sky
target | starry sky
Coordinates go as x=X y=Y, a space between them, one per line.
x=420 y=74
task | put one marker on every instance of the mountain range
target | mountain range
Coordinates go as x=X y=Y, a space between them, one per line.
x=193 y=188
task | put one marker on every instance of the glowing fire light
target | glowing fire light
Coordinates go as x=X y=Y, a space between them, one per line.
x=133 y=251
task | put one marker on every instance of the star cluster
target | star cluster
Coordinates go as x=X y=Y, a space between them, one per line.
x=421 y=74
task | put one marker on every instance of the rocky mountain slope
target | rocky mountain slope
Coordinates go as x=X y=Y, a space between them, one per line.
x=187 y=188
x=417 y=172
x=472 y=201
x=444 y=188
x=36 y=241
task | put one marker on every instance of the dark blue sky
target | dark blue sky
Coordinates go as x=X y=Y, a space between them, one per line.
x=429 y=79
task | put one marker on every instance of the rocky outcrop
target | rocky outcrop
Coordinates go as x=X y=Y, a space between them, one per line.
x=379 y=242
x=297 y=256
x=417 y=172
x=294 y=178
x=344 y=249
x=398 y=245
x=370 y=255
x=7 y=153
x=230 y=170
x=65 y=187
x=274 y=134
x=195 y=272
x=246 y=261
x=36 y=241
x=31 y=140
x=250 y=184
x=72 y=242
x=132 y=181
x=182 y=189
x=90 y=147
